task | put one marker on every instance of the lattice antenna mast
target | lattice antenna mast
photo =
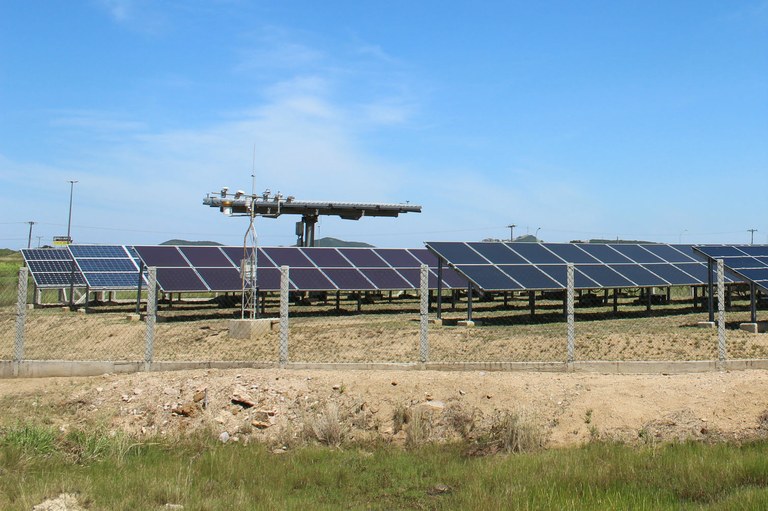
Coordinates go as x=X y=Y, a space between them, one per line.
x=249 y=307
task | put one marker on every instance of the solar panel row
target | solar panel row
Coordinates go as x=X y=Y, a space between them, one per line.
x=52 y=268
x=494 y=266
x=181 y=269
x=110 y=267
x=747 y=261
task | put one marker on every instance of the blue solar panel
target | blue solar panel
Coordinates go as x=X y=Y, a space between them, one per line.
x=457 y=253
x=498 y=253
x=52 y=268
x=558 y=272
x=112 y=280
x=639 y=275
x=489 y=278
x=97 y=251
x=755 y=250
x=720 y=251
x=742 y=262
x=674 y=274
x=637 y=253
x=37 y=254
x=603 y=253
x=604 y=276
x=571 y=253
x=536 y=253
x=55 y=266
x=529 y=277
x=107 y=265
x=672 y=254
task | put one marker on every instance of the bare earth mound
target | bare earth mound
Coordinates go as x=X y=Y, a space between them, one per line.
x=284 y=407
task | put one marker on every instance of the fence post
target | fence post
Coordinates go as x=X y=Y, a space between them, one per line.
x=21 y=316
x=570 y=313
x=149 y=335
x=721 y=345
x=424 y=315
x=284 y=286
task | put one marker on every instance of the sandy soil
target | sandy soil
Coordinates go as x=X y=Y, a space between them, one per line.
x=282 y=407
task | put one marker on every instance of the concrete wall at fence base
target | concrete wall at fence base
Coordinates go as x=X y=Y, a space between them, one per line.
x=59 y=368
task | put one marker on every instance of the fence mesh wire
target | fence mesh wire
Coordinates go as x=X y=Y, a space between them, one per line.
x=349 y=327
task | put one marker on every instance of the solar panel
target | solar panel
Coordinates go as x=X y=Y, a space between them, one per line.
x=206 y=257
x=384 y=278
x=741 y=261
x=327 y=258
x=161 y=256
x=52 y=268
x=541 y=266
x=348 y=278
x=363 y=258
x=111 y=267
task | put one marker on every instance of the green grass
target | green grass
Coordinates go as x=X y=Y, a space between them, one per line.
x=109 y=472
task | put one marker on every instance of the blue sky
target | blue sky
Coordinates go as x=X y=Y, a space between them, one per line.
x=643 y=120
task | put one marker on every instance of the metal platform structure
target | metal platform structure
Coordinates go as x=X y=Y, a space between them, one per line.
x=273 y=206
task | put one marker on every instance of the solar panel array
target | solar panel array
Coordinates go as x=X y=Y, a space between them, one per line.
x=750 y=262
x=496 y=266
x=111 y=267
x=52 y=267
x=205 y=268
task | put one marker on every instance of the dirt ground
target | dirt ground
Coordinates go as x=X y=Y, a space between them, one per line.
x=283 y=408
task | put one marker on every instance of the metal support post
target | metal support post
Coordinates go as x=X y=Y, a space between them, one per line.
x=570 y=313
x=21 y=316
x=710 y=291
x=469 y=301
x=616 y=300
x=532 y=302
x=648 y=298
x=424 y=315
x=721 y=346
x=284 y=286
x=752 y=303
x=439 y=288
x=149 y=334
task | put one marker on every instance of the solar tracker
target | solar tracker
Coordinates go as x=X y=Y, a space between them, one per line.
x=499 y=266
x=52 y=268
x=747 y=261
x=214 y=268
x=106 y=267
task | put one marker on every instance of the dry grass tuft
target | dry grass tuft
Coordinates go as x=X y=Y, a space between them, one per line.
x=327 y=427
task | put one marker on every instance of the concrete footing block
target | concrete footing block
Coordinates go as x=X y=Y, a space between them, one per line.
x=248 y=328
x=706 y=324
x=133 y=317
x=435 y=321
x=754 y=328
x=467 y=323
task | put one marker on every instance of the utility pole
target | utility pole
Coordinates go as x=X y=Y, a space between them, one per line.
x=39 y=238
x=69 y=222
x=29 y=238
x=512 y=232
x=752 y=238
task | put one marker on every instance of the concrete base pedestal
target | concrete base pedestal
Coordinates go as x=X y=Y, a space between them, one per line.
x=467 y=323
x=755 y=328
x=435 y=321
x=706 y=324
x=248 y=328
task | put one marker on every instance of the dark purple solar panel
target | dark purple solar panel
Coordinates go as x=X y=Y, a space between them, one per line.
x=399 y=258
x=453 y=279
x=457 y=253
x=424 y=256
x=571 y=253
x=310 y=279
x=269 y=279
x=221 y=279
x=363 y=258
x=489 y=277
x=168 y=257
x=210 y=257
x=179 y=279
x=326 y=257
x=384 y=278
x=348 y=279
x=413 y=277
x=236 y=254
x=288 y=256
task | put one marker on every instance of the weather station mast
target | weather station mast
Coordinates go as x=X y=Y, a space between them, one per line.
x=268 y=205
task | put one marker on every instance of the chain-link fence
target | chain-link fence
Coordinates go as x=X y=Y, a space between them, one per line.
x=413 y=327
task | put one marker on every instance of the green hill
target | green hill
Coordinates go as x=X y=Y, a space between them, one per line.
x=334 y=242
x=186 y=242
